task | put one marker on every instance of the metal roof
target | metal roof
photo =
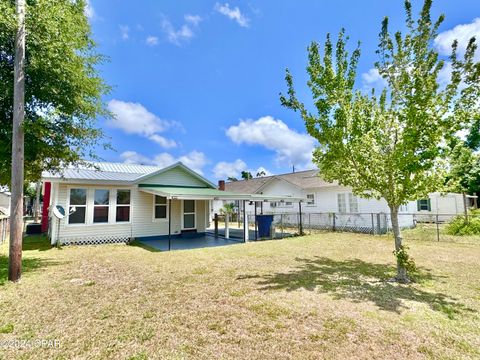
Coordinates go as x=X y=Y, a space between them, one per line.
x=114 y=173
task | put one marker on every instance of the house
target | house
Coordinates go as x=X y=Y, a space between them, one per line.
x=5 y=198
x=113 y=202
x=322 y=200
x=445 y=205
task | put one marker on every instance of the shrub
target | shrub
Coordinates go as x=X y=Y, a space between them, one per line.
x=458 y=226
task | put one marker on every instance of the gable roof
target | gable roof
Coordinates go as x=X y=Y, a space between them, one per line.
x=115 y=173
x=303 y=179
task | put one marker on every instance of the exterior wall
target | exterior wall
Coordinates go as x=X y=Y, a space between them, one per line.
x=5 y=203
x=142 y=222
x=448 y=205
x=174 y=177
x=326 y=201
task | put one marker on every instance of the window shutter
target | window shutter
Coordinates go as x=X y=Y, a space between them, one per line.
x=419 y=207
x=429 y=204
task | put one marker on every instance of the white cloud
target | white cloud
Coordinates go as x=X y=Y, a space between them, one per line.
x=462 y=33
x=195 y=160
x=291 y=147
x=152 y=40
x=261 y=169
x=125 y=32
x=193 y=19
x=184 y=33
x=224 y=170
x=89 y=10
x=372 y=78
x=134 y=118
x=232 y=13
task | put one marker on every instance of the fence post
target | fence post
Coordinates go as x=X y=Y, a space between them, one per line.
x=309 y=223
x=281 y=223
x=334 y=216
x=438 y=229
x=373 y=224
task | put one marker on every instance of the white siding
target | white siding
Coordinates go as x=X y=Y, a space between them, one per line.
x=175 y=177
x=142 y=222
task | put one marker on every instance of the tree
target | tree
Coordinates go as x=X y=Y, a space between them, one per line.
x=261 y=173
x=63 y=94
x=54 y=113
x=247 y=175
x=18 y=142
x=390 y=145
x=231 y=179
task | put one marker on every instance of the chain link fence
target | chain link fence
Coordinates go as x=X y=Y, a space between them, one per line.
x=434 y=227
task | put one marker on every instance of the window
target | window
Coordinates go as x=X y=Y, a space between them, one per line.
x=311 y=199
x=353 y=202
x=100 y=206
x=160 y=207
x=123 y=206
x=189 y=214
x=424 y=204
x=342 y=204
x=78 y=201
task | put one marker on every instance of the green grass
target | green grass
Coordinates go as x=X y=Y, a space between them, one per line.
x=319 y=296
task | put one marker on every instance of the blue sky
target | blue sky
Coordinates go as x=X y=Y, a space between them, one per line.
x=199 y=81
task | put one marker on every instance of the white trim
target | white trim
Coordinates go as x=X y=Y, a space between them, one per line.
x=194 y=214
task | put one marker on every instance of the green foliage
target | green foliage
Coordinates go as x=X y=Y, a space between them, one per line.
x=247 y=175
x=404 y=259
x=63 y=89
x=261 y=174
x=390 y=145
x=459 y=226
x=228 y=208
x=464 y=171
x=473 y=137
x=231 y=179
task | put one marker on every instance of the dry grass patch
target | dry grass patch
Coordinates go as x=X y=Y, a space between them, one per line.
x=319 y=296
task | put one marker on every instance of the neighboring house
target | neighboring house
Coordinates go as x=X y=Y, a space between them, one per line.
x=445 y=205
x=5 y=199
x=322 y=198
x=118 y=202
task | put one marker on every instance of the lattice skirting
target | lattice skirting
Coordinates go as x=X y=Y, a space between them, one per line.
x=97 y=240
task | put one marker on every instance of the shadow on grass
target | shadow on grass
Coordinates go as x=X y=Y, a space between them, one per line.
x=29 y=263
x=36 y=242
x=359 y=281
x=143 y=246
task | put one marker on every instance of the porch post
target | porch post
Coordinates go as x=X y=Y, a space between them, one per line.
x=245 y=223
x=169 y=224
x=256 y=232
x=227 y=229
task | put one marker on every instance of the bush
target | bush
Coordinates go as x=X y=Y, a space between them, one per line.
x=458 y=226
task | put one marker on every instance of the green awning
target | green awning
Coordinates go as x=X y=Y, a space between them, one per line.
x=193 y=193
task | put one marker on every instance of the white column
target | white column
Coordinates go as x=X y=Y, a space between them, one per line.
x=227 y=229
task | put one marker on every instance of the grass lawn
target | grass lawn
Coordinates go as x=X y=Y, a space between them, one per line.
x=318 y=296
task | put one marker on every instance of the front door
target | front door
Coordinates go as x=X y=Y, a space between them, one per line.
x=189 y=215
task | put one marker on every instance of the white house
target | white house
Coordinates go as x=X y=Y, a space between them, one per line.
x=113 y=202
x=5 y=198
x=322 y=198
x=445 y=206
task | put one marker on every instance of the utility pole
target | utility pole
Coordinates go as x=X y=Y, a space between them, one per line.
x=16 y=221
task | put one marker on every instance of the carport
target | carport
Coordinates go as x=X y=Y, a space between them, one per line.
x=208 y=194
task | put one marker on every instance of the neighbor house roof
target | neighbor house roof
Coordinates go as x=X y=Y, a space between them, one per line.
x=303 y=179
x=114 y=173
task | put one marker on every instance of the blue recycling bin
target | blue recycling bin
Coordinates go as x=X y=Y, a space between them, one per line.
x=264 y=223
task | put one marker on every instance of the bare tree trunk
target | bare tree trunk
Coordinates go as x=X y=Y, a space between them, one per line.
x=16 y=230
x=401 y=270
